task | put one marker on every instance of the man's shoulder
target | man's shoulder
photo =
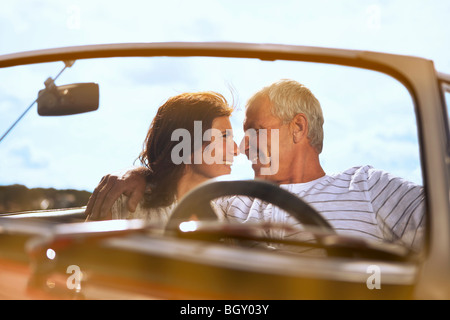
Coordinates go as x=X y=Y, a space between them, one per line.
x=356 y=171
x=359 y=174
x=355 y=174
x=355 y=178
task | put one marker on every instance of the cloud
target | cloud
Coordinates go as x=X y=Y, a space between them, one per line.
x=25 y=154
x=161 y=72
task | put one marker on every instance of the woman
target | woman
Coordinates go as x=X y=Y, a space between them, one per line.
x=175 y=166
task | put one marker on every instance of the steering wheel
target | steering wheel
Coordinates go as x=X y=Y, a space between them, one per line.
x=197 y=202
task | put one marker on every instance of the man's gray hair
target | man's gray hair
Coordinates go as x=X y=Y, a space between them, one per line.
x=289 y=98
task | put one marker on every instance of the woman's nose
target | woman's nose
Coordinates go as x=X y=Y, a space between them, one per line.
x=243 y=145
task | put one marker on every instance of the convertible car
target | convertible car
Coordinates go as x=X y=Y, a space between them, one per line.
x=380 y=109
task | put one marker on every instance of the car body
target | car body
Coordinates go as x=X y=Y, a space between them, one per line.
x=44 y=252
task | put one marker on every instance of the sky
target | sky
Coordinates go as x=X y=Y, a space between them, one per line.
x=411 y=27
x=415 y=28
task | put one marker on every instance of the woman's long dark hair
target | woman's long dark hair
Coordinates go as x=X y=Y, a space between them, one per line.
x=178 y=112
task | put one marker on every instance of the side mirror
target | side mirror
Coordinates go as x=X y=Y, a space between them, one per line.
x=67 y=99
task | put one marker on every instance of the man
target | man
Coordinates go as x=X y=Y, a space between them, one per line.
x=361 y=201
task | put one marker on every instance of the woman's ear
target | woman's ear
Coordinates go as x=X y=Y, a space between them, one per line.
x=299 y=127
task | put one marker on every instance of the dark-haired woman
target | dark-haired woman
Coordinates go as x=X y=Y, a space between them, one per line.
x=177 y=165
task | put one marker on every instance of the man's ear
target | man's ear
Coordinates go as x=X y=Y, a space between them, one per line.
x=299 y=125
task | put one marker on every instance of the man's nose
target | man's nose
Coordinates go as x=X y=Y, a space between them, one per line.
x=235 y=149
x=232 y=149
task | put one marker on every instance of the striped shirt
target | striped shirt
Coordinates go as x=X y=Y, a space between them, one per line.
x=361 y=202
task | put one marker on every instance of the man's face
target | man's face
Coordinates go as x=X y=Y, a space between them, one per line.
x=271 y=151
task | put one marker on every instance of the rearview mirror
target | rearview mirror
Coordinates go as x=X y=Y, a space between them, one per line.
x=68 y=99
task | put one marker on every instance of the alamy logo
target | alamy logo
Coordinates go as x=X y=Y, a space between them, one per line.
x=214 y=153
x=74 y=280
x=374 y=280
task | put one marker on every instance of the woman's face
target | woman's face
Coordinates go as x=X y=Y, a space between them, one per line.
x=218 y=150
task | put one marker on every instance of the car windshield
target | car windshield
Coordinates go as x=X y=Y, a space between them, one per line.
x=53 y=162
x=369 y=117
